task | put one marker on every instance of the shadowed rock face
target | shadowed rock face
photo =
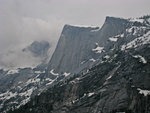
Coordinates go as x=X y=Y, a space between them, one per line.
x=76 y=43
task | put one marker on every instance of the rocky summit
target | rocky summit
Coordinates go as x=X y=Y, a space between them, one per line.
x=76 y=43
x=93 y=70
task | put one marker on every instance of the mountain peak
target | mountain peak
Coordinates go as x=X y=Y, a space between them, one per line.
x=81 y=26
x=73 y=29
x=114 y=19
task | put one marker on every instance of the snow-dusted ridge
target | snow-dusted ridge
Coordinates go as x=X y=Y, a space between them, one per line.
x=83 y=26
x=13 y=71
x=136 y=20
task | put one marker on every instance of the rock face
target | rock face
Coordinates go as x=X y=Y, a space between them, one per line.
x=76 y=43
x=117 y=82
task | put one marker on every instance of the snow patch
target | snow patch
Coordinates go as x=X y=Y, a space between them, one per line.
x=27 y=93
x=51 y=81
x=145 y=92
x=90 y=94
x=48 y=79
x=107 y=56
x=122 y=35
x=52 y=72
x=82 y=62
x=23 y=102
x=92 y=60
x=142 y=59
x=66 y=74
x=7 y=95
x=85 y=72
x=145 y=39
x=136 y=20
x=39 y=72
x=95 y=30
x=84 y=26
x=13 y=71
x=135 y=29
x=113 y=39
x=129 y=30
x=98 y=49
x=34 y=80
x=109 y=77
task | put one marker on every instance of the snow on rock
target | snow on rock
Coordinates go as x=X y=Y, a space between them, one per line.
x=92 y=60
x=83 y=26
x=23 y=102
x=136 y=20
x=13 y=71
x=27 y=93
x=11 y=95
x=113 y=39
x=85 y=72
x=142 y=59
x=145 y=92
x=107 y=56
x=39 y=72
x=66 y=74
x=48 y=79
x=78 y=78
x=109 y=77
x=98 y=49
x=52 y=72
x=95 y=30
x=33 y=80
x=145 y=39
x=90 y=94
x=51 y=81
x=122 y=35
x=82 y=62
x=135 y=29
x=129 y=30
x=7 y=95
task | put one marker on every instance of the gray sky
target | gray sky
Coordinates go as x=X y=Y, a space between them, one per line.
x=23 y=21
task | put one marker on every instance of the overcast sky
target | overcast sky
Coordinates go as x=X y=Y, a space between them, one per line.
x=23 y=21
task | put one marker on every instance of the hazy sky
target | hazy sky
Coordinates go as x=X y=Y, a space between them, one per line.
x=23 y=21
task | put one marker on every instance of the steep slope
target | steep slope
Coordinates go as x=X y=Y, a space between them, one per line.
x=76 y=43
x=19 y=85
x=117 y=82
x=98 y=91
